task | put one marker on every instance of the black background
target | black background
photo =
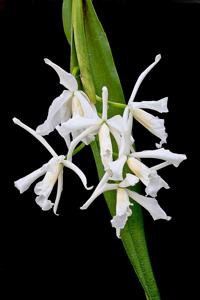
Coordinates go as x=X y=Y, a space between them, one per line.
x=78 y=252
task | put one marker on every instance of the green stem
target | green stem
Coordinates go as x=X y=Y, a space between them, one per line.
x=114 y=104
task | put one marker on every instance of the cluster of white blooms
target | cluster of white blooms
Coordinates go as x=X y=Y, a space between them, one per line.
x=76 y=119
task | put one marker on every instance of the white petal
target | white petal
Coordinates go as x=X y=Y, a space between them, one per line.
x=79 y=123
x=130 y=180
x=153 y=124
x=59 y=112
x=163 y=154
x=160 y=105
x=139 y=169
x=142 y=76
x=123 y=203
x=89 y=110
x=37 y=136
x=123 y=211
x=66 y=79
x=45 y=186
x=88 y=132
x=155 y=184
x=149 y=204
x=78 y=171
x=59 y=192
x=98 y=192
x=24 y=183
x=61 y=130
x=105 y=145
x=43 y=202
x=104 y=103
x=116 y=168
x=116 y=123
x=117 y=136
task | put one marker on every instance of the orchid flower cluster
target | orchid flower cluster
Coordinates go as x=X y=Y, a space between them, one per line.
x=76 y=119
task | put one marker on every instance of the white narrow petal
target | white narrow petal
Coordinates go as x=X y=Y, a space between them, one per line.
x=155 y=184
x=123 y=211
x=91 y=130
x=163 y=154
x=59 y=192
x=24 y=183
x=105 y=145
x=141 y=78
x=159 y=105
x=59 y=112
x=61 y=130
x=37 y=136
x=150 y=204
x=78 y=171
x=87 y=106
x=116 y=168
x=154 y=124
x=43 y=202
x=116 y=123
x=98 y=192
x=129 y=180
x=104 y=103
x=66 y=79
x=139 y=169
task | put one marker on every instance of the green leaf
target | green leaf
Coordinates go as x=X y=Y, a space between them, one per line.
x=95 y=58
x=102 y=64
x=66 y=16
x=82 y=50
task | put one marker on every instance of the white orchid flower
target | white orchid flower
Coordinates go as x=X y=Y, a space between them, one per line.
x=70 y=103
x=93 y=126
x=52 y=171
x=123 y=210
x=127 y=154
x=154 y=124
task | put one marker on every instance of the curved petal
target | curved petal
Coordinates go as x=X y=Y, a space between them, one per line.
x=66 y=79
x=59 y=112
x=78 y=171
x=25 y=182
x=117 y=136
x=79 y=123
x=88 y=132
x=129 y=180
x=37 y=136
x=89 y=110
x=116 y=168
x=155 y=184
x=163 y=154
x=43 y=202
x=61 y=130
x=59 y=192
x=159 y=105
x=116 y=123
x=141 y=78
x=150 y=204
x=98 y=192
x=151 y=123
x=105 y=144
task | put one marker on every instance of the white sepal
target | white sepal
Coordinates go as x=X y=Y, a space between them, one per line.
x=66 y=79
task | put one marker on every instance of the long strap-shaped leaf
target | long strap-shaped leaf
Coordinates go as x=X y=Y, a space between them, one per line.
x=96 y=63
